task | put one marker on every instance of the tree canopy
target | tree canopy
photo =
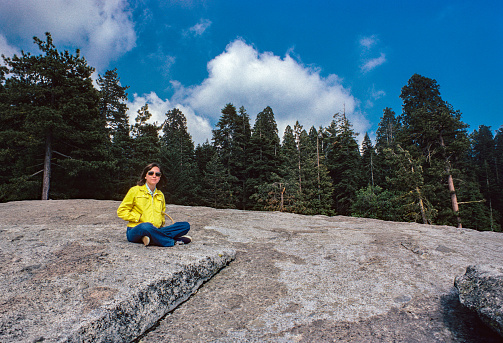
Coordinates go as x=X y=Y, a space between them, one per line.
x=63 y=137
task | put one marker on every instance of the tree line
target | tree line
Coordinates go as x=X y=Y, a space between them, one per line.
x=61 y=137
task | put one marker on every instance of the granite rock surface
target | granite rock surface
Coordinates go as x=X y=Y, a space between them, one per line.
x=68 y=273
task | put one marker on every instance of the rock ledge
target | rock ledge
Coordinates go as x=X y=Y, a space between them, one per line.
x=481 y=290
x=70 y=276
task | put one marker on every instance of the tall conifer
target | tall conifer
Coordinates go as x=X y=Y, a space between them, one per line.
x=264 y=150
x=178 y=160
x=145 y=144
x=53 y=97
x=343 y=162
x=113 y=108
x=432 y=129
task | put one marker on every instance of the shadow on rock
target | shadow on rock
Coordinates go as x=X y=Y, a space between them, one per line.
x=465 y=324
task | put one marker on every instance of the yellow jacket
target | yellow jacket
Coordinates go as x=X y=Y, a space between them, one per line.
x=139 y=207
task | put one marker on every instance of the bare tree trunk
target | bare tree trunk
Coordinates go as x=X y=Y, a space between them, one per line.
x=490 y=198
x=300 y=174
x=47 y=167
x=282 y=200
x=418 y=191
x=450 y=183
x=454 y=198
x=421 y=206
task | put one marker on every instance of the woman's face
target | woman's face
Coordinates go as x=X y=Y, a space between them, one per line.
x=153 y=176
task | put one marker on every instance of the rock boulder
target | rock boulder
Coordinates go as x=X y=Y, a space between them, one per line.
x=481 y=290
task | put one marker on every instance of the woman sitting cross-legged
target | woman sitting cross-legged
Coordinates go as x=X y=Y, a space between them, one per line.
x=144 y=208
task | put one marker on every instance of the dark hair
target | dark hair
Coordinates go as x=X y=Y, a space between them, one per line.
x=163 y=180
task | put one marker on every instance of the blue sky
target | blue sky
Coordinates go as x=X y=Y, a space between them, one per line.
x=305 y=59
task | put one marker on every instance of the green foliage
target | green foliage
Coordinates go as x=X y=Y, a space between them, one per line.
x=178 y=160
x=219 y=191
x=145 y=144
x=484 y=172
x=113 y=108
x=51 y=117
x=379 y=203
x=264 y=151
x=368 y=161
x=434 y=131
x=55 y=126
x=315 y=195
x=304 y=185
x=408 y=183
x=343 y=162
x=386 y=138
x=273 y=196
x=497 y=201
x=231 y=138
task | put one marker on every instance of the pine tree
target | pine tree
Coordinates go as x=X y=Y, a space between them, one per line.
x=368 y=161
x=231 y=139
x=431 y=128
x=300 y=140
x=409 y=186
x=53 y=104
x=203 y=155
x=498 y=173
x=386 y=138
x=145 y=144
x=219 y=190
x=483 y=163
x=178 y=160
x=112 y=104
x=318 y=189
x=302 y=184
x=264 y=150
x=113 y=108
x=343 y=162
x=387 y=130
x=285 y=184
x=15 y=144
x=242 y=136
x=288 y=153
x=223 y=135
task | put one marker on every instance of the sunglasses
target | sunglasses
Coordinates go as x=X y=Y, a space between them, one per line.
x=150 y=173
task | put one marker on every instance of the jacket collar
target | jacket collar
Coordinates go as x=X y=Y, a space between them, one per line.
x=147 y=190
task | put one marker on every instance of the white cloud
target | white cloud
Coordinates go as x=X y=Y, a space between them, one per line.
x=103 y=29
x=374 y=95
x=373 y=63
x=368 y=42
x=377 y=94
x=198 y=127
x=244 y=77
x=199 y=28
x=6 y=49
x=161 y=60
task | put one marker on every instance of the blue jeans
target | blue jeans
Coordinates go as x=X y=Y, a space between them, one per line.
x=165 y=236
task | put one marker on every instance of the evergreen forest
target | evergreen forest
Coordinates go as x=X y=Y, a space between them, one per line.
x=63 y=137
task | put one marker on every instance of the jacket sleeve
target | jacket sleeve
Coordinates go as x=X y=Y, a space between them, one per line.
x=125 y=210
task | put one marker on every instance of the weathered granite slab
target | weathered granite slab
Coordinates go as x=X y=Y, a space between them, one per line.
x=294 y=278
x=481 y=290
x=331 y=279
x=68 y=274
